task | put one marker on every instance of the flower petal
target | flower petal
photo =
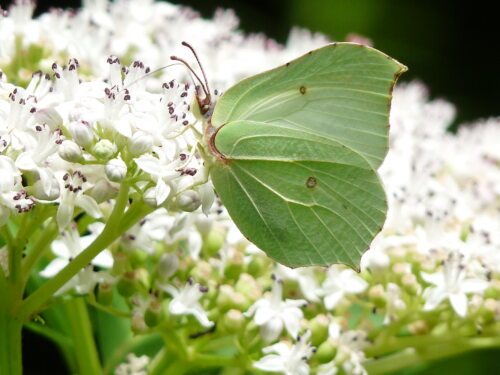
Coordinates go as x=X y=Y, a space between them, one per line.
x=162 y=191
x=89 y=205
x=271 y=362
x=54 y=267
x=459 y=303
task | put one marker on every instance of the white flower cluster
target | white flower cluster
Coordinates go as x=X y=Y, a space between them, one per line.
x=71 y=134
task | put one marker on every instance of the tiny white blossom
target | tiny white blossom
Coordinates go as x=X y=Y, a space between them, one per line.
x=134 y=366
x=12 y=196
x=350 y=345
x=271 y=313
x=38 y=158
x=186 y=301
x=306 y=277
x=287 y=359
x=340 y=283
x=451 y=283
x=72 y=194
x=67 y=247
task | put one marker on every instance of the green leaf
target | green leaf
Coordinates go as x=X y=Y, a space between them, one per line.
x=296 y=151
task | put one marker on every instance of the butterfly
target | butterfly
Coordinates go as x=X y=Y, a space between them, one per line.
x=294 y=152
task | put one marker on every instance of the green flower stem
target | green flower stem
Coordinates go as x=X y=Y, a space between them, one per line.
x=38 y=247
x=428 y=350
x=117 y=224
x=10 y=340
x=85 y=350
x=107 y=309
x=16 y=256
x=161 y=362
x=10 y=296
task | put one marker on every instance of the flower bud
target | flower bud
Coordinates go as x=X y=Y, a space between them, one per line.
x=377 y=295
x=140 y=143
x=258 y=265
x=82 y=133
x=202 y=271
x=418 y=327
x=234 y=266
x=103 y=190
x=247 y=286
x=70 y=151
x=188 y=201
x=143 y=277
x=319 y=329
x=115 y=170
x=233 y=321
x=410 y=284
x=490 y=309
x=213 y=243
x=153 y=313
x=167 y=266
x=326 y=351
x=127 y=284
x=104 y=149
x=137 y=324
x=105 y=294
x=228 y=299
x=121 y=263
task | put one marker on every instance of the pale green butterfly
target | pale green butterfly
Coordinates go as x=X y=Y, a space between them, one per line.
x=294 y=153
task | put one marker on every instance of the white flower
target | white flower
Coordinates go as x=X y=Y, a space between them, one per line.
x=306 y=277
x=39 y=158
x=67 y=247
x=162 y=168
x=339 y=283
x=134 y=366
x=271 y=313
x=186 y=301
x=286 y=359
x=72 y=194
x=451 y=283
x=12 y=197
x=350 y=355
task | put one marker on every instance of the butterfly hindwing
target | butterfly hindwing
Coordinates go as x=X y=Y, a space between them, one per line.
x=307 y=199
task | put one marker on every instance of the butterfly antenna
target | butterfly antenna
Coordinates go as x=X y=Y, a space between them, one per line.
x=207 y=90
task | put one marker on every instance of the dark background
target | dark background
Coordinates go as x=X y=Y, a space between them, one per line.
x=452 y=46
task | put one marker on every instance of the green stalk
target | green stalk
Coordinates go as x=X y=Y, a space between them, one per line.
x=85 y=349
x=117 y=224
x=439 y=349
x=10 y=342
x=37 y=249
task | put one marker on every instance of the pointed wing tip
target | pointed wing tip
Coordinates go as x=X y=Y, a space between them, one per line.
x=401 y=67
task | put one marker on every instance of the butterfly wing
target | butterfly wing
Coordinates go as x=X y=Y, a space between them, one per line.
x=298 y=149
